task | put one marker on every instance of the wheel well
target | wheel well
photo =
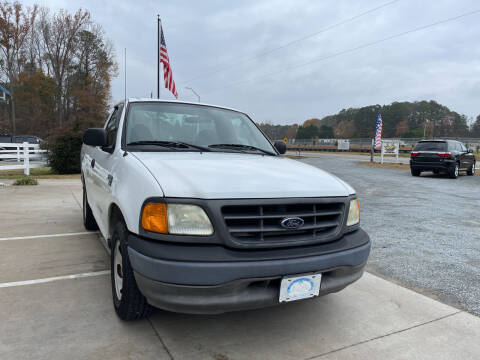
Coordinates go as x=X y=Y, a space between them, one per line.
x=114 y=217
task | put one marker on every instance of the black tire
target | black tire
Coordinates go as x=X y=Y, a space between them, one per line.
x=131 y=305
x=88 y=219
x=471 y=171
x=436 y=172
x=415 y=172
x=453 y=173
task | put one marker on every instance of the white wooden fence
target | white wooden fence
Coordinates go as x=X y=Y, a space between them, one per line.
x=21 y=156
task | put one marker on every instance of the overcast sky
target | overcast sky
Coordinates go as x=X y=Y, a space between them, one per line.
x=211 y=45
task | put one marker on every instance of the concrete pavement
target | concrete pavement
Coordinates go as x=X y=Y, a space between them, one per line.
x=74 y=318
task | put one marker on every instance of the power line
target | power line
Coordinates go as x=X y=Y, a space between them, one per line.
x=303 y=38
x=359 y=47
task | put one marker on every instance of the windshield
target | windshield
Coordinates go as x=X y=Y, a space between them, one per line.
x=197 y=125
x=431 y=146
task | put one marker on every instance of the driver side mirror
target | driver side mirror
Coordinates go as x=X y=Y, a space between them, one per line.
x=470 y=151
x=281 y=147
x=95 y=137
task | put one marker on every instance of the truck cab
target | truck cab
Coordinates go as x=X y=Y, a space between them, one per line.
x=202 y=213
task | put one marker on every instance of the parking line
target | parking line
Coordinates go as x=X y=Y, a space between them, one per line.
x=56 y=278
x=47 y=236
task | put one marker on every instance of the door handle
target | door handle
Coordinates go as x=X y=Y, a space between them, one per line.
x=93 y=163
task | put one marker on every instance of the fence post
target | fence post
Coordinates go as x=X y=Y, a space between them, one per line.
x=18 y=152
x=381 y=153
x=371 y=150
x=26 y=161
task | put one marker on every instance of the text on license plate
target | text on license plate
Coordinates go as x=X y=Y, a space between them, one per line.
x=299 y=287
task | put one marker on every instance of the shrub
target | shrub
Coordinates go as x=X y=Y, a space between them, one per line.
x=64 y=152
x=26 y=180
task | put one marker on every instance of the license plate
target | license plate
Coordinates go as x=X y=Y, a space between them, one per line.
x=299 y=287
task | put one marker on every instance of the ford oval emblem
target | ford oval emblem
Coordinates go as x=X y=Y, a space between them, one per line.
x=292 y=223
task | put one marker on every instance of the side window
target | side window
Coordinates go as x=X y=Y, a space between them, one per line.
x=112 y=127
x=464 y=149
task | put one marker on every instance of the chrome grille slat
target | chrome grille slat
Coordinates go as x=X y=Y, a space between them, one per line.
x=235 y=229
x=325 y=213
x=261 y=223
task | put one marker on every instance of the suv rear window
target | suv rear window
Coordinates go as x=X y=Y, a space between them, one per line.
x=431 y=146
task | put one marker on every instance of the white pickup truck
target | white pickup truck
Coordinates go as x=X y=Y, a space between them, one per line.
x=202 y=214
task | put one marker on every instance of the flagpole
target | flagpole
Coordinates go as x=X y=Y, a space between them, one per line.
x=158 y=56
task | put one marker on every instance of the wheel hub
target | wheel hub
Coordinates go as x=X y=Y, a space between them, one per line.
x=118 y=270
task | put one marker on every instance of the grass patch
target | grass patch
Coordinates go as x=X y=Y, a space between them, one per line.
x=295 y=157
x=385 y=165
x=305 y=152
x=37 y=173
x=25 y=180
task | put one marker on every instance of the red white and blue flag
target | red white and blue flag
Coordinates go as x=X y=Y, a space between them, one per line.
x=167 y=70
x=378 y=132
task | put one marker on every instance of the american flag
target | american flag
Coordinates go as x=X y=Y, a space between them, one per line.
x=378 y=132
x=167 y=70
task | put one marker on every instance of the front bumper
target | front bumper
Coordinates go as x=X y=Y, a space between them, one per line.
x=206 y=287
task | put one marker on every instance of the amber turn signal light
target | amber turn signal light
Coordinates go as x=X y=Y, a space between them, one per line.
x=154 y=218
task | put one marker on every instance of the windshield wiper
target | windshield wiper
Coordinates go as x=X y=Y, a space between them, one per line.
x=241 y=146
x=169 y=144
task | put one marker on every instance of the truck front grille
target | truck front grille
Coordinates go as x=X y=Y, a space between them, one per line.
x=261 y=223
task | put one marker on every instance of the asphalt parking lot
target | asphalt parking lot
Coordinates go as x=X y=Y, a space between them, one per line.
x=55 y=297
x=425 y=231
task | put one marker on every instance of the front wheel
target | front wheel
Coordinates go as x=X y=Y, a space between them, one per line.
x=454 y=172
x=471 y=171
x=128 y=301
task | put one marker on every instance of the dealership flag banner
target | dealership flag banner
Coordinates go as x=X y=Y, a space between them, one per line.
x=378 y=132
x=165 y=61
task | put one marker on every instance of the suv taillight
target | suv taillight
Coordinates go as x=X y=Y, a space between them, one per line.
x=413 y=154
x=444 y=155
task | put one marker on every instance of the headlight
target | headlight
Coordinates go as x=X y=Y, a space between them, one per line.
x=353 y=213
x=176 y=219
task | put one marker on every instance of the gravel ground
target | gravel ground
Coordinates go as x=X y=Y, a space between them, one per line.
x=425 y=231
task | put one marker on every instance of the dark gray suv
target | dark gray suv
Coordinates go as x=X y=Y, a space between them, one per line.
x=442 y=156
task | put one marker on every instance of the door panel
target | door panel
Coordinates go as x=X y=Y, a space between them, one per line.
x=102 y=171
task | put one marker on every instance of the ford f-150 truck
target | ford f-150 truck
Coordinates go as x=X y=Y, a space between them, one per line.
x=202 y=214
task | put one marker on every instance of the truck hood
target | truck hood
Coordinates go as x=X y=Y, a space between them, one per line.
x=216 y=175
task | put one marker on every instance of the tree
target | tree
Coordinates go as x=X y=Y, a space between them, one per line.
x=36 y=103
x=15 y=24
x=476 y=127
x=59 y=65
x=325 y=132
x=89 y=84
x=59 y=33
x=307 y=132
